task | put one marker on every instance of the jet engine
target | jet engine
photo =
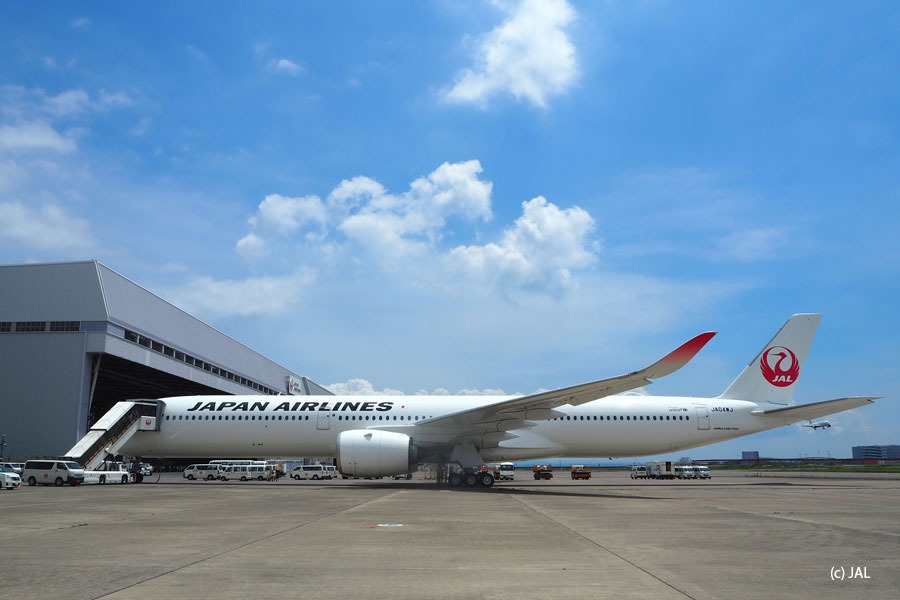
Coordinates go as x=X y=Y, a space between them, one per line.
x=375 y=453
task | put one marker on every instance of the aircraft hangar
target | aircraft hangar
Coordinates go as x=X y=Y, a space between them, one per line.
x=75 y=338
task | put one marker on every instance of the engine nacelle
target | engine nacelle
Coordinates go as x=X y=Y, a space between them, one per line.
x=375 y=453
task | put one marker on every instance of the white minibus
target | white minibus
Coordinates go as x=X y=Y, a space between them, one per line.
x=312 y=472
x=208 y=472
x=55 y=472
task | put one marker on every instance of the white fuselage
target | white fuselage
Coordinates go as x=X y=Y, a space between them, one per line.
x=294 y=426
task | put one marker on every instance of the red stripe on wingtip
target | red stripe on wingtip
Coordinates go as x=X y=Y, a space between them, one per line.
x=689 y=349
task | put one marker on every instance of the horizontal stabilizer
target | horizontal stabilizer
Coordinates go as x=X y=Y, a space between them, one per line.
x=804 y=412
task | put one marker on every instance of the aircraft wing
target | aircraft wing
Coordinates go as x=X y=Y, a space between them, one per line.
x=517 y=413
x=804 y=412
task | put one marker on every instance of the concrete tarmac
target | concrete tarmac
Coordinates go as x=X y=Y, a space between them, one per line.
x=730 y=537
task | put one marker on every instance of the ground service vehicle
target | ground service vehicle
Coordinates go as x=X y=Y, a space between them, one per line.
x=9 y=479
x=661 y=469
x=53 y=472
x=14 y=467
x=207 y=471
x=505 y=471
x=684 y=472
x=311 y=472
x=109 y=472
x=542 y=471
x=639 y=472
x=580 y=472
x=702 y=472
x=379 y=436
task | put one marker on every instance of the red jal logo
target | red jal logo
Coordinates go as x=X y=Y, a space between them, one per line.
x=778 y=374
x=147 y=422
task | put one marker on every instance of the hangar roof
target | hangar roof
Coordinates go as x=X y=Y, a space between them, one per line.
x=89 y=291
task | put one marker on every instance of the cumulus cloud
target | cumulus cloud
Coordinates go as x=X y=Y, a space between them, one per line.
x=529 y=55
x=540 y=249
x=283 y=65
x=367 y=215
x=284 y=215
x=34 y=135
x=539 y=252
x=363 y=387
x=360 y=387
x=81 y=23
x=49 y=227
x=255 y=296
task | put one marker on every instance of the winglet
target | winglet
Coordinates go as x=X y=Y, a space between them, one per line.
x=678 y=357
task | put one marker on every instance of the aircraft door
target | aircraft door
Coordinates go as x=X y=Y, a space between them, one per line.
x=324 y=420
x=702 y=418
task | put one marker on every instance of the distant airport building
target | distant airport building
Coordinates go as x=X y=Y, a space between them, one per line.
x=752 y=455
x=876 y=452
x=75 y=338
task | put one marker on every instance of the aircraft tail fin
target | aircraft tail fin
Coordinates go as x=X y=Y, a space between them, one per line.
x=772 y=376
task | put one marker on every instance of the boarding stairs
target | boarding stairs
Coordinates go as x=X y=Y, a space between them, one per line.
x=108 y=435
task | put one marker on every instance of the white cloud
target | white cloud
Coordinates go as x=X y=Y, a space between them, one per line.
x=284 y=215
x=81 y=23
x=386 y=224
x=402 y=232
x=283 y=65
x=529 y=56
x=140 y=129
x=107 y=99
x=363 y=387
x=24 y=104
x=538 y=252
x=360 y=387
x=70 y=102
x=34 y=135
x=753 y=245
x=196 y=53
x=254 y=296
x=251 y=246
x=48 y=228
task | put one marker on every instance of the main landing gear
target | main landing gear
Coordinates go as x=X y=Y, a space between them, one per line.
x=469 y=478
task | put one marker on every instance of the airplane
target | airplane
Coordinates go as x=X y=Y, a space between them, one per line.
x=819 y=425
x=374 y=436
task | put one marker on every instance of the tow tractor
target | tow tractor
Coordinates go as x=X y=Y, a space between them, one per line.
x=580 y=472
x=542 y=471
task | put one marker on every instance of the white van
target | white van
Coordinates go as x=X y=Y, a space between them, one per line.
x=639 y=472
x=55 y=472
x=244 y=472
x=208 y=472
x=312 y=472
x=684 y=472
x=702 y=472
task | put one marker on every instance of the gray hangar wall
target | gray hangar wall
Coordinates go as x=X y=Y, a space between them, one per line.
x=75 y=338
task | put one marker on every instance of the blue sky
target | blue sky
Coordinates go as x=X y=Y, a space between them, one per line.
x=479 y=196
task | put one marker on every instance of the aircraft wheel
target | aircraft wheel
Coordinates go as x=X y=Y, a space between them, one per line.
x=486 y=480
x=455 y=479
x=471 y=479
